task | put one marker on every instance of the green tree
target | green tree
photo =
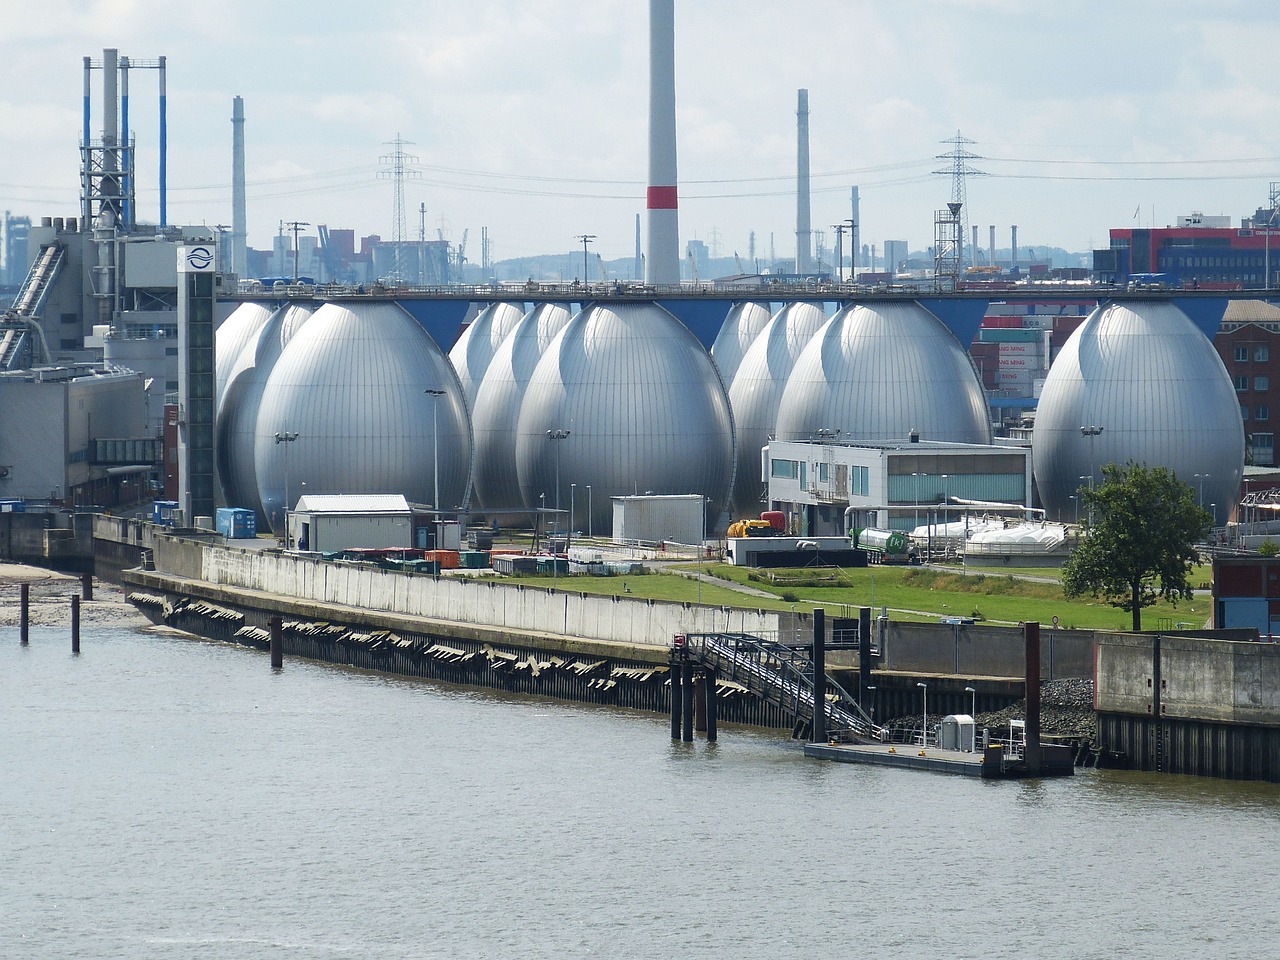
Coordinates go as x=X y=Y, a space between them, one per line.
x=1141 y=539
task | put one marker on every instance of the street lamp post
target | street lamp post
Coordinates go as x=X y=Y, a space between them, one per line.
x=589 y=534
x=946 y=514
x=915 y=495
x=1090 y=432
x=285 y=436
x=1213 y=509
x=871 y=689
x=585 y=238
x=924 y=733
x=973 y=701
x=1201 y=477
x=1076 y=502
x=569 y=533
x=296 y=226
x=557 y=435
x=435 y=396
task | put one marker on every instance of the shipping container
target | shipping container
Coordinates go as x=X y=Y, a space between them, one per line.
x=237 y=523
x=1009 y=336
x=473 y=559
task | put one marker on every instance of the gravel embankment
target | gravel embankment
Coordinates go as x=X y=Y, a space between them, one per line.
x=1066 y=710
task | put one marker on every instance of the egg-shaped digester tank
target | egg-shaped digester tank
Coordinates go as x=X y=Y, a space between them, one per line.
x=351 y=389
x=625 y=401
x=756 y=391
x=240 y=327
x=879 y=371
x=1138 y=381
x=478 y=343
x=497 y=407
x=741 y=327
x=237 y=420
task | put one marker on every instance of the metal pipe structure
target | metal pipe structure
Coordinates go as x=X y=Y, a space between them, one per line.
x=86 y=206
x=239 y=209
x=164 y=146
x=855 y=240
x=804 y=232
x=662 y=265
x=127 y=212
x=1013 y=252
x=819 y=729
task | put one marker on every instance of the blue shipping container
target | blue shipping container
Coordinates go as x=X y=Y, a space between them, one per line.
x=237 y=523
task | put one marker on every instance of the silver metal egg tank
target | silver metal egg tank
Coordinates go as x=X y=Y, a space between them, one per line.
x=240 y=326
x=1138 y=381
x=351 y=386
x=624 y=401
x=238 y=414
x=878 y=371
x=757 y=390
x=741 y=326
x=497 y=406
x=477 y=344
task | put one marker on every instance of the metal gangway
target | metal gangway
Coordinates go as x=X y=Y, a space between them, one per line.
x=782 y=674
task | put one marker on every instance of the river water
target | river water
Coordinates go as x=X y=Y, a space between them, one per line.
x=163 y=797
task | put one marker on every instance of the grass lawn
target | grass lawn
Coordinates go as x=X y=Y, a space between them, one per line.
x=910 y=593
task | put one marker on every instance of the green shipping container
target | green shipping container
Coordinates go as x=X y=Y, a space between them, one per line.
x=473 y=559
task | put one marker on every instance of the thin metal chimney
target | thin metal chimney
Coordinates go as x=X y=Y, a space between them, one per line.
x=975 y=245
x=239 y=211
x=991 y=246
x=804 y=233
x=662 y=266
x=1013 y=255
x=855 y=240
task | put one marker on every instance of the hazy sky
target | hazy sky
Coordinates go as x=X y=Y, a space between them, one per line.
x=531 y=118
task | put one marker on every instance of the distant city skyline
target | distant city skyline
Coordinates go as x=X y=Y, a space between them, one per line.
x=530 y=119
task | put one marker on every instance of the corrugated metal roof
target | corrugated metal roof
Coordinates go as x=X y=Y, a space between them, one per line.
x=353 y=503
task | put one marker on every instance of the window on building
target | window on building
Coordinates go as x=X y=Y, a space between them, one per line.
x=821 y=471
x=784 y=469
x=1263 y=446
x=1261 y=383
x=1241 y=382
x=1244 y=411
x=1242 y=354
x=1261 y=354
x=1261 y=412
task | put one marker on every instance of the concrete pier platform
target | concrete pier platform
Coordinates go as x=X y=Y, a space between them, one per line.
x=991 y=765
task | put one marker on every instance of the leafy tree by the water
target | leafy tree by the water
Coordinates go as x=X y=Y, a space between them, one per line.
x=1144 y=525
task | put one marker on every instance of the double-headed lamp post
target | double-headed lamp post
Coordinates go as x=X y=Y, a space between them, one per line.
x=285 y=436
x=1201 y=478
x=924 y=734
x=585 y=238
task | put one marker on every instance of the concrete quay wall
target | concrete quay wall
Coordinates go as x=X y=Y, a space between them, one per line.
x=461 y=600
x=1191 y=705
x=983 y=650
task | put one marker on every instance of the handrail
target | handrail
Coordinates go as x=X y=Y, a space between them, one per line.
x=781 y=673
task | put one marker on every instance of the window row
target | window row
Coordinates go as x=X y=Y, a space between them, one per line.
x=1259 y=383
x=1260 y=412
x=1261 y=354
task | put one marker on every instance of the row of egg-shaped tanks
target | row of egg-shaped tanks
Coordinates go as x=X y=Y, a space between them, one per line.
x=633 y=400
x=636 y=405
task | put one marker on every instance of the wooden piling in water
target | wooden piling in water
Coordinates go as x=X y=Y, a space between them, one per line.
x=1032 y=756
x=75 y=623
x=24 y=614
x=86 y=586
x=709 y=684
x=277 y=643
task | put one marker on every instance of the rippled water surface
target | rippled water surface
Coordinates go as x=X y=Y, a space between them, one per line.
x=167 y=797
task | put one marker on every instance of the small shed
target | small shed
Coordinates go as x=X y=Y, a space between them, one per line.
x=329 y=522
x=956 y=732
x=655 y=519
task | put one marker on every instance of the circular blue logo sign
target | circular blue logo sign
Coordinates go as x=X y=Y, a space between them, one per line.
x=199 y=258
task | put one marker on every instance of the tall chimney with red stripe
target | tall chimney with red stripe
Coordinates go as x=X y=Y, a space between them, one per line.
x=662 y=261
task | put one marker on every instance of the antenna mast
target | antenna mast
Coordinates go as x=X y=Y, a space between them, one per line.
x=400 y=164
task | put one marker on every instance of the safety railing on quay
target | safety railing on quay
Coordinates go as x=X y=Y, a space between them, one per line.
x=783 y=674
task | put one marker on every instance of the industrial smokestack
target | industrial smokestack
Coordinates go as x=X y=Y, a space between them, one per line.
x=991 y=245
x=975 y=245
x=804 y=234
x=855 y=241
x=1013 y=254
x=239 y=212
x=662 y=266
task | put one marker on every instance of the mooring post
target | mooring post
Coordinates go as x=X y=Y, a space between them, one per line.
x=75 y=623
x=700 y=703
x=819 y=726
x=709 y=684
x=1031 y=633
x=864 y=654
x=686 y=681
x=24 y=613
x=277 y=643
x=677 y=696
x=86 y=586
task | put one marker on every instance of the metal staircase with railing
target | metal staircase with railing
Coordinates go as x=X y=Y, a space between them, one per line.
x=782 y=674
x=39 y=280
x=21 y=339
